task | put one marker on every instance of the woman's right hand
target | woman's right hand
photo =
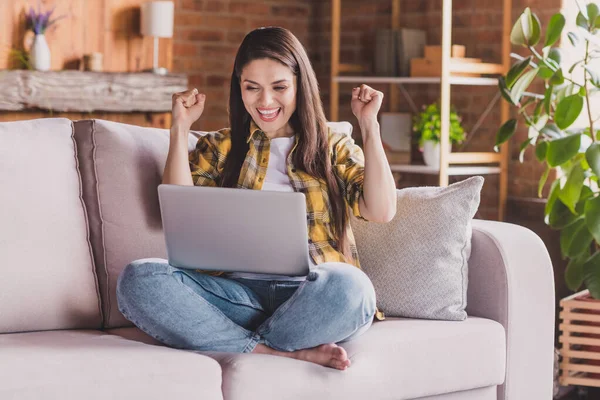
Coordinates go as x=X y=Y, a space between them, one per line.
x=187 y=107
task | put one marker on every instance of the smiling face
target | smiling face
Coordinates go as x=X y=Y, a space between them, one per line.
x=269 y=95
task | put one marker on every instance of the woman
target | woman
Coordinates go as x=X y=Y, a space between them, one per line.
x=278 y=140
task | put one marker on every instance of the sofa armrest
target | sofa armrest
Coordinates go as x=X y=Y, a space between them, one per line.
x=511 y=281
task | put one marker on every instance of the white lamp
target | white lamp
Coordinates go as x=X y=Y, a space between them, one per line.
x=157 y=21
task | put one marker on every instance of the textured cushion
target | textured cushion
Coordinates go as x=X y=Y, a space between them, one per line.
x=395 y=359
x=121 y=167
x=47 y=276
x=418 y=261
x=74 y=365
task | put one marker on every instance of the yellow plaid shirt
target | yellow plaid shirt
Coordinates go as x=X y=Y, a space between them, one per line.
x=208 y=159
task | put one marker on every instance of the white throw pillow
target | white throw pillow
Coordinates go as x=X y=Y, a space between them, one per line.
x=418 y=261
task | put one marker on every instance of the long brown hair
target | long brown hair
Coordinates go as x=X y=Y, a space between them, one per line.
x=308 y=120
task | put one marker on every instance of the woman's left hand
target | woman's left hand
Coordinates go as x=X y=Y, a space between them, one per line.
x=366 y=103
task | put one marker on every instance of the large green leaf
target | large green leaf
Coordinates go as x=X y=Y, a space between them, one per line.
x=574 y=273
x=536 y=31
x=581 y=21
x=575 y=239
x=538 y=109
x=560 y=216
x=573 y=38
x=592 y=156
x=552 y=131
x=552 y=196
x=540 y=150
x=570 y=192
x=526 y=31
x=505 y=132
x=516 y=70
x=565 y=91
x=592 y=216
x=592 y=12
x=548 y=99
x=545 y=72
x=556 y=55
x=562 y=150
x=586 y=193
x=521 y=85
x=555 y=27
x=504 y=92
x=591 y=273
x=568 y=110
x=543 y=180
x=523 y=148
x=557 y=78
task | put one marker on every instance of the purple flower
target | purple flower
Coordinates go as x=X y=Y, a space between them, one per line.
x=39 y=21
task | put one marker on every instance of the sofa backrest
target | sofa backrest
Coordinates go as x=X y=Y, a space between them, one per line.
x=47 y=278
x=121 y=167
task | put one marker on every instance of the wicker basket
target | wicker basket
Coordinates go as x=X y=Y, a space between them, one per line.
x=580 y=338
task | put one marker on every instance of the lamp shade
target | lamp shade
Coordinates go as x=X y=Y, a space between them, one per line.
x=157 y=19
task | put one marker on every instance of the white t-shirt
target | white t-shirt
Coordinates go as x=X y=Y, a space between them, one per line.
x=276 y=179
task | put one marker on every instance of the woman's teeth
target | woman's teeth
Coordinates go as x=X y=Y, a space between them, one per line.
x=269 y=115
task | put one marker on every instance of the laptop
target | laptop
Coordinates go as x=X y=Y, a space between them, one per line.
x=235 y=230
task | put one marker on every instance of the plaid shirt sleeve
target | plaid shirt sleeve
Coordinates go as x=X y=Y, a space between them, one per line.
x=349 y=166
x=207 y=159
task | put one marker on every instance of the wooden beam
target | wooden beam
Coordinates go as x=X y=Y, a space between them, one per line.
x=334 y=92
x=474 y=158
x=77 y=91
x=504 y=111
x=351 y=68
x=445 y=92
x=395 y=24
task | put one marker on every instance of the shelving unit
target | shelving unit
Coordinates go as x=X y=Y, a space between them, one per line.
x=498 y=162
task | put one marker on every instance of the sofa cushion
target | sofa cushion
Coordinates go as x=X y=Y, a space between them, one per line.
x=395 y=359
x=94 y=365
x=122 y=166
x=47 y=278
x=418 y=262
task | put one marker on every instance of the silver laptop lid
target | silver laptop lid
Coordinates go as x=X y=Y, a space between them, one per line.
x=237 y=230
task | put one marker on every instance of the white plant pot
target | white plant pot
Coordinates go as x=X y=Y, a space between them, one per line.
x=431 y=154
x=40 y=53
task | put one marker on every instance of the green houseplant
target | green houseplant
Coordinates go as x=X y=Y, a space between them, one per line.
x=573 y=205
x=427 y=127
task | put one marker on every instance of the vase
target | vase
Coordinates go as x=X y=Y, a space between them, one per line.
x=431 y=154
x=40 y=53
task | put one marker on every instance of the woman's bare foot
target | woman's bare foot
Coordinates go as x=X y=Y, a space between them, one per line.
x=328 y=355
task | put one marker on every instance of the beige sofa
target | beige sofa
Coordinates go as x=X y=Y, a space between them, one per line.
x=78 y=202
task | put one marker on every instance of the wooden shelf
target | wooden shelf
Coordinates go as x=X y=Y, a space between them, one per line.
x=449 y=71
x=474 y=158
x=351 y=68
x=452 y=171
x=454 y=80
x=79 y=91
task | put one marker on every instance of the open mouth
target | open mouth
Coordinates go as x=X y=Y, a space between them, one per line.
x=269 y=115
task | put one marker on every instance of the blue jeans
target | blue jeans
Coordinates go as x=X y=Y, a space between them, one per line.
x=190 y=310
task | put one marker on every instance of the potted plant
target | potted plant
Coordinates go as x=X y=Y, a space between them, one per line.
x=573 y=205
x=38 y=22
x=549 y=110
x=427 y=127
